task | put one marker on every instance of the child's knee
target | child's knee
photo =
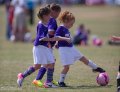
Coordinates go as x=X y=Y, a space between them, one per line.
x=66 y=67
x=37 y=66
x=50 y=66
x=45 y=66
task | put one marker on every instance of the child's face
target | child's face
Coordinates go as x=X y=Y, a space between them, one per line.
x=55 y=14
x=46 y=18
x=70 y=23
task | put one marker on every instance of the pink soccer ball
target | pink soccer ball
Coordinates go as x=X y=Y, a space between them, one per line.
x=97 y=42
x=102 y=79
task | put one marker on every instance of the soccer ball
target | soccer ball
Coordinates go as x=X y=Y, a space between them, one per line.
x=102 y=79
x=97 y=42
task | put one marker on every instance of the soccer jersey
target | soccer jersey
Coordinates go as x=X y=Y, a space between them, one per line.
x=63 y=32
x=41 y=31
x=52 y=25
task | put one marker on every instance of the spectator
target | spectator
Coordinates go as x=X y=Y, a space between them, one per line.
x=10 y=20
x=8 y=26
x=94 y=2
x=82 y=35
x=20 y=26
x=30 y=7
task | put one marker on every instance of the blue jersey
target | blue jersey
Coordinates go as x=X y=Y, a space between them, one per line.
x=52 y=25
x=63 y=32
x=41 y=32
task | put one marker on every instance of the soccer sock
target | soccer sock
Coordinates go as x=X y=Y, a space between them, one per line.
x=28 y=72
x=50 y=74
x=41 y=73
x=92 y=65
x=62 y=77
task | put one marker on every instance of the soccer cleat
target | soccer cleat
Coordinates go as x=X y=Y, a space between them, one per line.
x=55 y=83
x=20 y=79
x=49 y=85
x=38 y=83
x=62 y=84
x=100 y=70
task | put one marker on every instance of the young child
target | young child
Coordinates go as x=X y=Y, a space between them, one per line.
x=41 y=53
x=69 y=54
x=10 y=20
x=52 y=27
x=81 y=36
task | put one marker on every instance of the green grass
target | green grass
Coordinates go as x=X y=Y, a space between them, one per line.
x=103 y=21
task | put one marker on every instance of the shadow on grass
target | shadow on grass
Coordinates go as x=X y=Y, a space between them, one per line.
x=87 y=87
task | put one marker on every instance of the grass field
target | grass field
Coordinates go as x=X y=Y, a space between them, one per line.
x=103 y=21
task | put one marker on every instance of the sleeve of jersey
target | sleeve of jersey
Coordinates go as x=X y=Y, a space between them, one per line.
x=59 y=32
x=40 y=32
x=51 y=27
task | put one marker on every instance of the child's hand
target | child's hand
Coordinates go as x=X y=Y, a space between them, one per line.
x=41 y=39
x=69 y=40
x=56 y=46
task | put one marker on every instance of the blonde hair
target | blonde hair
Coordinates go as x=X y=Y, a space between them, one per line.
x=66 y=17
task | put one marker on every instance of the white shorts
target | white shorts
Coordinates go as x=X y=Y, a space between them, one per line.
x=51 y=50
x=69 y=55
x=42 y=55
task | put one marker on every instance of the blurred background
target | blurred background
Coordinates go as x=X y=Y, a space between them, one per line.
x=21 y=14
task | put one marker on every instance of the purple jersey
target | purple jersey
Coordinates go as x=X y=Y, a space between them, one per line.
x=52 y=24
x=41 y=32
x=63 y=32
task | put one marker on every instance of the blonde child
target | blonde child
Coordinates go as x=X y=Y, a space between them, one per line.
x=68 y=53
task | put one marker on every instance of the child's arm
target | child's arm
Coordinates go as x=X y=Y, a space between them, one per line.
x=57 y=38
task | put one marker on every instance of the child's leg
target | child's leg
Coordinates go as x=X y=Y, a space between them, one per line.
x=41 y=72
x=53 y=81
x=91 y=64
x=50 y=72
x=88 y=62
x=63 y=75
x=29 y=71
x=49 y=81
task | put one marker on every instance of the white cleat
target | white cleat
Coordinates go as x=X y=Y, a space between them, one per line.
x=50 y=85
x=20 y=80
